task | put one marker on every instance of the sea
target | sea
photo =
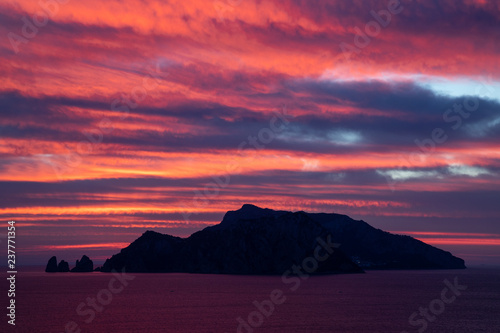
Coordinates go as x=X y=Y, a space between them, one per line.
x=377 y=301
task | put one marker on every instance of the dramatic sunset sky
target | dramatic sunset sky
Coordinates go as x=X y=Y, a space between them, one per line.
x=123 y=116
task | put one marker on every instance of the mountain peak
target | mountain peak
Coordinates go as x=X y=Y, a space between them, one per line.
x=150 y=233
x=250 y=207
x=248 y=212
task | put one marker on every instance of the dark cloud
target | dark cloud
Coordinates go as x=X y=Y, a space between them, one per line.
x=418 y=112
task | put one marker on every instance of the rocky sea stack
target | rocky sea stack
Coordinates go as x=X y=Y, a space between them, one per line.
x=63 y=267
x=51 y=265
x=83 y=265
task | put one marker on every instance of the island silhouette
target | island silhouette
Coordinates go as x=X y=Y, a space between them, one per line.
x=254 y=240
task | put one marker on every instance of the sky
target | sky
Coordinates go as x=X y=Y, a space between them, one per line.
x=118 y=117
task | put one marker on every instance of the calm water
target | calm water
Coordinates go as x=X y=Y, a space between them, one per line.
x=379 y=301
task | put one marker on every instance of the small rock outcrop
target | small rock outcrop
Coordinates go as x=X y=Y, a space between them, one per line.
x=83 y=265
x=51 y=265
x=63 y=267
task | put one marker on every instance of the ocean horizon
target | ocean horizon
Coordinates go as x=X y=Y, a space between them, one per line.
x=377 y=301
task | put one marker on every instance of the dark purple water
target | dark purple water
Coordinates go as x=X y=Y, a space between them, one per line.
x=379 y=301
